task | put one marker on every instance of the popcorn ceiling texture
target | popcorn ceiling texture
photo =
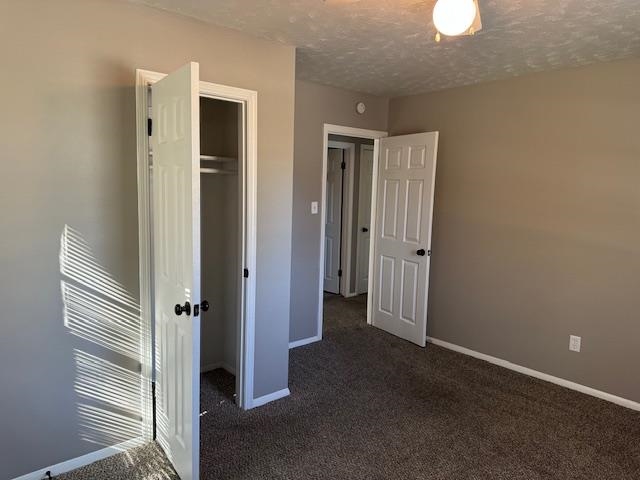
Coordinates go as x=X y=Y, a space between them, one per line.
x=387 y=47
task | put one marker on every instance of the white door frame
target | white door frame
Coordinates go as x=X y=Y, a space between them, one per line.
x=358 y=263
x=330 y=129
x=347 y=214
x=246 y=339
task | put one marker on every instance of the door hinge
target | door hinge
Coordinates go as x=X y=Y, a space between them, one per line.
x=153 y=405
x=343 y=165
x=245 y=274
x=149 y=126
x=340 y=272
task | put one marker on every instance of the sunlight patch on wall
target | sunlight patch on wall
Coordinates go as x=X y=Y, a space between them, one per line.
x=101 y=380
x=102 y=322
x=107 y=428
x=78 y=263
x=115 y=407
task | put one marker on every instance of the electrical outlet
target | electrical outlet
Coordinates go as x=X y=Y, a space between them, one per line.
x=574 y=343
x=314 y=208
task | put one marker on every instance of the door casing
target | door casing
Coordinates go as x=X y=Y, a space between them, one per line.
x=349 y=150
x=330 y=129
x=246 y=342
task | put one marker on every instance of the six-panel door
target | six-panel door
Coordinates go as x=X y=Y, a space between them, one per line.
x=175 y=143
x=404 y=211
x=333 y=225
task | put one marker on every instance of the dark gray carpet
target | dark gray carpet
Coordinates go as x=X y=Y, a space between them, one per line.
x=367 y=405
x=143 y=463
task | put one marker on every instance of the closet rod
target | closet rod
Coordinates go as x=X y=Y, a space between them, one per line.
x=217 y=170
x=213 y=158
x=212 y=170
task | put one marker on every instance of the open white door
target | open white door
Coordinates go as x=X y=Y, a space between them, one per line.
x=364 y=218
x=333 y=221
x=175 y=144
x=402 y=243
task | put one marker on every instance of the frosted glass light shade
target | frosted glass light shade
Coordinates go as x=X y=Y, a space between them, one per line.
x=454 y=17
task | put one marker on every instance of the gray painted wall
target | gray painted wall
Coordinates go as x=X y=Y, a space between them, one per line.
x=537 y=220
x=69 y=158
x=316 y=105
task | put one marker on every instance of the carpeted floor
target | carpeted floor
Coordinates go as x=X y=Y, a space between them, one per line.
x=367 y=405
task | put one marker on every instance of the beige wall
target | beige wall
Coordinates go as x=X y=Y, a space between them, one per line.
x=69 y=157
x=537 y=220
x=316 y=105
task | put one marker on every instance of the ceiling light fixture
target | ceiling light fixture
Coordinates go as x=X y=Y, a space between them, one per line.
x=456 y=17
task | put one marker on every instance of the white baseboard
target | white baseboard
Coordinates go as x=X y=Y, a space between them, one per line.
x=83 y=460
x=623 y=402
x=304 y=341
x=258 y=402
x=214 y=366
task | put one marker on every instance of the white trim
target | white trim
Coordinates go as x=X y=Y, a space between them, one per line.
x=143 y=80
x=330 y=129
x=83 y=460
x=249 y=100
x=247 y=326
x=423 y=337
x=347 y=214
x=304 y=341
x=623 y=402
x=263 y=400
x=363 y=147
x=372 y=228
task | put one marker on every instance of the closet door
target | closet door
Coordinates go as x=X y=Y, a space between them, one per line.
x=364 y=218
x=333 y=225
x=175 y=142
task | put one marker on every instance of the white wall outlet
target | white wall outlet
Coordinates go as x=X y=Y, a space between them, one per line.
x=574 y=343
x=314 y=208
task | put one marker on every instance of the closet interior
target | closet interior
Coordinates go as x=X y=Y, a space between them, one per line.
x=221 y=145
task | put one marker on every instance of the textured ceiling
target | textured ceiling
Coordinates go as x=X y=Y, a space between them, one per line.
x=387 y=47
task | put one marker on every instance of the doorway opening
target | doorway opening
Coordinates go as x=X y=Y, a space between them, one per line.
x=347 y=183
x=339 y=208
x=221 y=147
x=222 y=244
x=197 y=166
x=392 y=229
x=348 y=213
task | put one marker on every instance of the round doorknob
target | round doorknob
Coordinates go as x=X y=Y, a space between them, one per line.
x=365 y=229
x=179 y=309
x=421 y=252
x=204 y=306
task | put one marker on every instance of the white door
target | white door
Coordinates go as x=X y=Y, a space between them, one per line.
x=333 y=225
x=175 y=144
x=364 y=218
x=402 y=245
